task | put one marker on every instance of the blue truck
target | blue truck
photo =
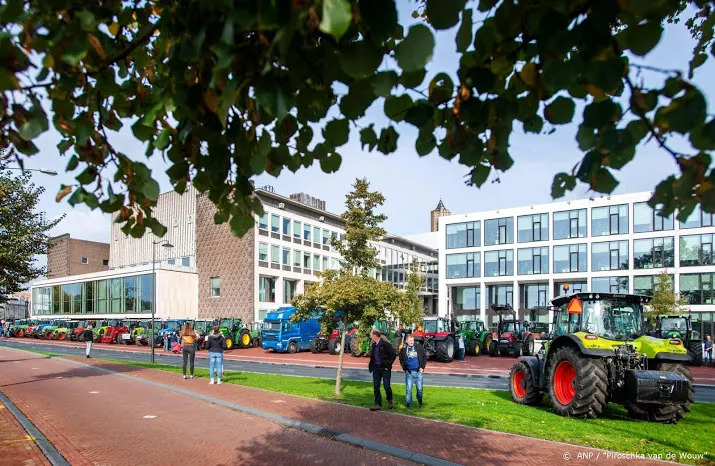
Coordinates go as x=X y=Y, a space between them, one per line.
x=280 y=334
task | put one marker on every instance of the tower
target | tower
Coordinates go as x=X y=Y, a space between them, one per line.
x=439 y=211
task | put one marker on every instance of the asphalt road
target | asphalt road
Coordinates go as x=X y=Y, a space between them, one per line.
x=434 y=379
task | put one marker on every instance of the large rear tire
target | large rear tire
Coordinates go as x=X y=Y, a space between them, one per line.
x=528 y=346
x=578 y=385
x=355 y=346
x=521 y=384
x=473 y=347
x=695 y=351
x=487 y=346
x=444 y=350
x=669 y=414
x=334 y=346
x=314 y=346
x=492 y=348
x=516 y=349
x=244 y=339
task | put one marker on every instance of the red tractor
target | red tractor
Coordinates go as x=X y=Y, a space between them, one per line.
x=514 y=336
x=437 y=335
x=112 y=334
x=331 y=344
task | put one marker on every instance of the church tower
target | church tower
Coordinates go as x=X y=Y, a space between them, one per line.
x=439 y=211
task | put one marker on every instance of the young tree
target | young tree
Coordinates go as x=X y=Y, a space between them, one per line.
x=665 y=301
x=410 y=306
x=23 y=231
x=230 y=90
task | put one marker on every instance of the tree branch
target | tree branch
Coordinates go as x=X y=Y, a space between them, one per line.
x=136 y=42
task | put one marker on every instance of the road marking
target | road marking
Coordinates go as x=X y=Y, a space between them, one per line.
x=59 y=377
x=278 y=401
x=93 y=393
x=35 y=368
x=149 y=417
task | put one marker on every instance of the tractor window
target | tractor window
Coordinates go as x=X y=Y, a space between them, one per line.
x=508 y=327
x=613 y=318
x=670 y=324
x=566 y=323
x=227 y=323
x=430 y=326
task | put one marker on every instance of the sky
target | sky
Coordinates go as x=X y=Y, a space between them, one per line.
x=412 y=185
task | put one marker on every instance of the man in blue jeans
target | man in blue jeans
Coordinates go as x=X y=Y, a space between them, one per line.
x=413 y=362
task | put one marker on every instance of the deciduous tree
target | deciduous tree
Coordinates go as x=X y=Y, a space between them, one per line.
x=665 y=301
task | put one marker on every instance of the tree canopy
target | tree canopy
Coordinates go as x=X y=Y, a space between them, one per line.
x=226 y=90
x=665 y=301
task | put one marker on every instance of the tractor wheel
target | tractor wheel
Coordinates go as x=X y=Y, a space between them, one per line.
x=244 y=339
x=444 y=350
x=11 y=333
x=61 y=336
x=397 y=343
x=473 y=347
x=355 y=347
x=229 y=343
x=122 y=341
x=521 y=384
x=516 y=349
x=314 y=346
x=665 y=414
x=528 y=346
x=503 y=352
x=578 y=385
x=20 y=333
x=334 y=346
x=486 y=348
x=492 y=348
x=256 y=342
x=695 y=350
x=292 y=347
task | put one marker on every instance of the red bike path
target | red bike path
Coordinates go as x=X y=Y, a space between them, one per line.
x=103 y=413
x=483 y=365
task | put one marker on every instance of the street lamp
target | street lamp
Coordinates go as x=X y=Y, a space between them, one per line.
x=165 y=244
x=46 y=171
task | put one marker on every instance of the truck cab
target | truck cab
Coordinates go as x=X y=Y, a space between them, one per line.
x=281 y=334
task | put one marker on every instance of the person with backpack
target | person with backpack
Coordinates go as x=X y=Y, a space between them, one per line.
x=382 y=355
x=215 y=344
x=188 y=349
x=88 y=336
x=413 y=361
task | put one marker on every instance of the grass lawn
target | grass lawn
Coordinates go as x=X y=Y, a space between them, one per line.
x=494 y=410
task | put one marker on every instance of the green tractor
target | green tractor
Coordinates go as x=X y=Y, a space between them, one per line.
x=361 y=346
x=64 y=331
x=236 y=333
x=20 y=327
x=597 y=352
x=256 y=334
x=677 y=326
x=475 y=335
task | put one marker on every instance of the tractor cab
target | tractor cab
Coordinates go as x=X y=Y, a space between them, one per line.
x=678 y=326
x=437 y=335
x=236 y=333
x=475 y=335
x=513 y=335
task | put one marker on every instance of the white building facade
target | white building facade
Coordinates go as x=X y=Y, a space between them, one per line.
x=523 y=256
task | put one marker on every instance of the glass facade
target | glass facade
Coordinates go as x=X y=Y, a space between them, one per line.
x=696 y=250
x=532 y=228
x=275 y=223
x=499 y=231
x=532 y=261
x=275 y=254
x=647 y=219
x=697 y=287
x=610 y=255
x=466 y=265
x=570 y=258
x=645 y=284
x=609 y=285
x=609 y=220
x=574 y=287
x=698 y=219
x=500 y=294
x=467 y=298
x=289 y=290
x=464 y=235
x=262 y=251
x=533 y=294
x=286 y=226
x=122 y=295
x=499 y=263
x=653 y=253
x=266 y=289
x=570 y=224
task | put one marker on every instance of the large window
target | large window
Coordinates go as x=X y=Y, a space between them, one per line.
x=289 y=290
x=286 y=256
x=297 y=228
x=275 y=223
x=306 y=260
x=130 y=294
x=286 y=226
x=653 y=253
x=316 y=262
x=697 y=287
x=215 y=286
x=532 y=228
x=266 y=289
x=610 y=255
x=275 y=254
x=696 y=250
x=263 y=222
x=88 y=293
x=697 y=219
x=464 y=235
x=102 y=296
x=500 y=294
x=297 y=255
x=570 y=258
x=56 y=299
x=610 y=220
x=146 y=283
x=316 y=234
x=644 y=285
x=573 y=287
x=115 y=295
x=326 y=236
x=464 y=265
x=609 y=285
x=646 y=219
x=467 y=298
x=499 y=231
x=533 y=261
x=263 y=251
x=307 y=229
x=570 y=224
x=499 y=263
x=533 y=294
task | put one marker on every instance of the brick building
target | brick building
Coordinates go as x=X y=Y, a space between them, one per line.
x=69 y=256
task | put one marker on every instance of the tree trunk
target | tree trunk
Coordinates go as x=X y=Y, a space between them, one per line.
x=339 y=377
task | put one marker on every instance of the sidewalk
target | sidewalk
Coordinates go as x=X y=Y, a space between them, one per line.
x=16 y=446
x=134 y=399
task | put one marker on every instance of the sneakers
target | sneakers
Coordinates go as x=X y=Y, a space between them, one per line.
x=219 y=382
x=376 y=408
x=184 y=377
x=212 y=381
x=192 y=377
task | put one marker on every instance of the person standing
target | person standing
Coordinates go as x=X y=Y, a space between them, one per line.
x=188 y=350
x=708 y=350
x=461 y=348
x=88 y=336
x=382 y=355
x=215 y=344
x=413 y=362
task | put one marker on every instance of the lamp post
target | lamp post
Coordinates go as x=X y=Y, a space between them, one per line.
x=165 y=244
x=46 y=171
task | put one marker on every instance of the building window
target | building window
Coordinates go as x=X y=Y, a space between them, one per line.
x=101 y=296
x=105 y=261
x=654 y=253
x=467 y=298
x=531 y=261
x=697 y=288
x=84 y=260
x=306 y=260
x=296 y=257
x=335 y=264
x=316 y=262
x=532 y=228
x=570 y=258
x=186 y=262
x=499 y=263
x=316 y=234
x=88 y=296
x=696 y=250
x=297 y=228
x=466 y=265
x=618 y=285
x=275 y=223
x=263 y=222
x=286 y=226
x=286 y=256
x=533 y=294
x=610 y=220
x=574 y=287
x=645 y=285
x=570 y=224
x=326 y=263
x=609 y=255
x=115 y=295
x=171 y=261
x=215 y=286
x=500 y=295
x=464 y=235
x=326 y=236
x=146 y=291
x=275 y=254
x=266 y=289
x=306 y=232
x=130 y=294
x=289 y=290
x=646 y=219
x=499 y=231
x=698 y=219
x=263 y=251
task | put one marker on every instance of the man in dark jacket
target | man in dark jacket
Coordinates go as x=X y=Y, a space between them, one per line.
x=413 y=362
x=88 y=336
x=382 y=355
x=215 y=344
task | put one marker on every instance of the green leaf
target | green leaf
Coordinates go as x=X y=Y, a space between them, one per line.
x=304 y=138
x=380 y=16
x=426 y=142
x=640 y=39
x=638 y=130
x=586 y=138
x=87 y=20
x=337 y=16
x=533 y=124
x=331 y=162
x=412 y=79
x=387 y=143
x=156 y=228
x=560 y=111
x=597 y=114
x=33 y=126
x=416 y=50
x=441 y=88
x=603 y=181
x=151 y=189
x=684 y=113
x=162 y=142
x=87 y=176
x=443 y=14
x=336 y=132
x=464 y=34
x=368 y=138
x=397 y=107
x=141 y=131
x=72 y=164
x=562 y=182
x=703 y=136
x=383 y=82
x=359 y=97
x=241 y=223
x=486 y=5
x=274 y=96
x=360 y=59
x=479 y=174
x=420 y=113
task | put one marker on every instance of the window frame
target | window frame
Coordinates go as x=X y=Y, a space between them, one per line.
x=214 y=291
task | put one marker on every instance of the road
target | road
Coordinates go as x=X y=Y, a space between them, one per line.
x=461 y=380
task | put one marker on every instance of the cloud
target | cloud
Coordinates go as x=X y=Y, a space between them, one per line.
x=87 y=225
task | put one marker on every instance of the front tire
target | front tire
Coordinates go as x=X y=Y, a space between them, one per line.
x=229 y=343
x=473 y=348
x=521 y=385
x=355 y=347
x=492 y=348
x=444 y=350
x=334 y=346
x=669 y=414
x=292 y=347
x=516 y=349
x=314 y=346
x=578 y=385
x=486 y=348
x=244 y=339
x=528 y=346
x=695 y=351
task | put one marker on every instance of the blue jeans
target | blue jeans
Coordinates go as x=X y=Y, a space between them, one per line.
x=215 y=363
x=166 y=344
x=413 y=378
x=709 y=357
x=460 y=354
